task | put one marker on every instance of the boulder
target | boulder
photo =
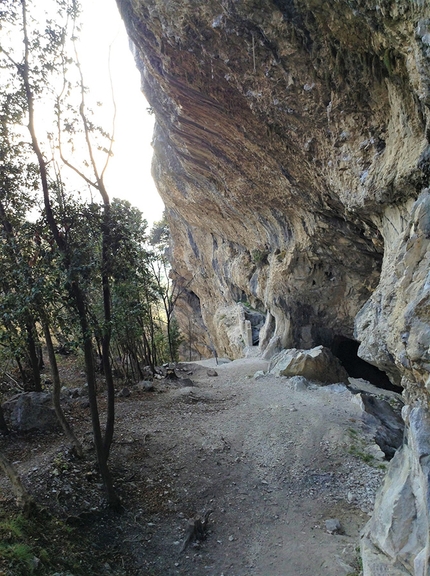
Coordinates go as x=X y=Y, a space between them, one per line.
x=31 y=411
x=317 y=364
x=192 y=395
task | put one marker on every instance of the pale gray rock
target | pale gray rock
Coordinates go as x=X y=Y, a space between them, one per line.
x=273 y=347
x=394 y=325
x=299 y=383
x=361 y=385
x=317 y=364
x=269 y=344
x=333 y=526
x=337 y=388
x=385 y=421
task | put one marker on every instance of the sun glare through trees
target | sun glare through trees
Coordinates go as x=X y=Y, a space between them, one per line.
x=78 y=273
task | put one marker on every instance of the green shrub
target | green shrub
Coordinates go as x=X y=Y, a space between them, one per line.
x=259 y=257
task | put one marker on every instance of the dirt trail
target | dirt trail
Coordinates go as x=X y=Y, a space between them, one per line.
x=271 y=462
x=271 y=459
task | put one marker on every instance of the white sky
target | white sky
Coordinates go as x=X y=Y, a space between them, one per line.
x=129 y=173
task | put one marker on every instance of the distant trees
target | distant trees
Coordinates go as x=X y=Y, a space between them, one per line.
x=169 y=289
x=74 y=273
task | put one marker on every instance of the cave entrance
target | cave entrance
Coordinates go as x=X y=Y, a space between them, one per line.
x=257 y=320
x=346 y=350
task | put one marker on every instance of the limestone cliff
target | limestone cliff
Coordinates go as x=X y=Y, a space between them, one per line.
x=292 y=153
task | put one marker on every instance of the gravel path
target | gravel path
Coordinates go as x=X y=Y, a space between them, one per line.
x=272 y=458
x=273 y=463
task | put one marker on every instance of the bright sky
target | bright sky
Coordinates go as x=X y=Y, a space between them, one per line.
x=129 y=172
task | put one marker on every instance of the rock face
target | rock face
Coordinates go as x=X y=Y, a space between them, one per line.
x=285 y=132
x=292 y=153
x=396 y=539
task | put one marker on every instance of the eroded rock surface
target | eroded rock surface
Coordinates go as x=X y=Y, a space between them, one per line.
x=292 y=153
x=284 y=131
x=400 y=527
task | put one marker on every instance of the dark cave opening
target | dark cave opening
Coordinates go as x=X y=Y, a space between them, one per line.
x=346 y=350
x=257 y=320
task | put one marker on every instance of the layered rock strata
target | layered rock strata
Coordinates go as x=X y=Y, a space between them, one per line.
x=292 y=153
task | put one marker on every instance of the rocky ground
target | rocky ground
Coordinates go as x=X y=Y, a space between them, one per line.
x=272 y=458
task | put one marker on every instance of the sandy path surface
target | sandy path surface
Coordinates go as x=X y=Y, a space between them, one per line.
x=271 y=461
x=272 y=458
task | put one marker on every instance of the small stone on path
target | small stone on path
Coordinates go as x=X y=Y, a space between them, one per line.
x=332 y=525
x=145 y=386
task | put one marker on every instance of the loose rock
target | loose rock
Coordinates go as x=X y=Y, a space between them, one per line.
x=333 y=526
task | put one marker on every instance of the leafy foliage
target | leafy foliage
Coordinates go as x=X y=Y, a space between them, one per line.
x=43 y=545
x=78 y=268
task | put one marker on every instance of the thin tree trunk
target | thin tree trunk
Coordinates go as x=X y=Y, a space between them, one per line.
x=23 y=498
x=153 y=347
x=113 y=499
x=34 y=361
x=148 y=352
x=107 y=332
x=57 y=390
x=75 y=290
x=168 y=308
x=134 y=357
x=21 y=371
x=40 y=361
x=3 y=426
x=142 y=354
